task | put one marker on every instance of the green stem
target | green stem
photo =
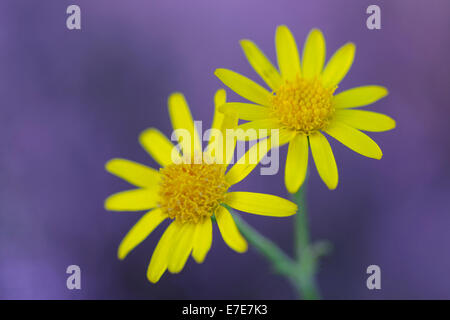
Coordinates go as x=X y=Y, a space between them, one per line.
x=301 y=231
x=301 y=271
x=282 y=263
x=305 y=255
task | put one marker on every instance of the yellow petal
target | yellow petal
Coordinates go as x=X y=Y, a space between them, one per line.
x=230 y=122
x=160 y=258
x=296 y=163
x=339 y=65
x=133 y=172
x=202 y=240
x=260 y=203
x=245 y=165
x=287 y=53
x=255 y=129
x=133 y=200
x=359 y=96
x=355 y=140
x=182 y=248
x=220 y=146
x=313 y=54
x=181 y=118
x=158 y=146
x=284 y=136
x=229 y=231
x=365 y=120
x=248 y=162
x=324 y=159
x=261 y=64
x=220 y=98
x=246 y=111
x=244 y=87
x=140 y=231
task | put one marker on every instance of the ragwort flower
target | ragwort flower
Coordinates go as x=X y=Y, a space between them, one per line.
x=302 y=104
x=190 y=193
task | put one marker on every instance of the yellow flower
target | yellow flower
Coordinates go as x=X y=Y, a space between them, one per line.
x=302 y=104
x=188 y=192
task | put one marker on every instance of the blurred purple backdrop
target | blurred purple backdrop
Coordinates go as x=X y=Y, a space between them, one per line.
x=71 y=100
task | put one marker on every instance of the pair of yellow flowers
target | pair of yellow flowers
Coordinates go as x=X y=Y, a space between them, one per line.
x=301 y=105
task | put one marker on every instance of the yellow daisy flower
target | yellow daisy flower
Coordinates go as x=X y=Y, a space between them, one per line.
x=302 y=104
x=188 y=192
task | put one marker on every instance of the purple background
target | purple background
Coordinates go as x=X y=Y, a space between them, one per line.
x=71 y=100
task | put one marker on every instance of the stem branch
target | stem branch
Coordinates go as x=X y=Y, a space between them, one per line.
x=301 y=271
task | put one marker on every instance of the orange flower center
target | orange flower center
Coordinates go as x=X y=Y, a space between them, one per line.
x=189 y=192
x=303 y=105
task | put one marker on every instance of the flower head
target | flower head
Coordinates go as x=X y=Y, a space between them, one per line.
x=190 y=192
x=302 y=104
x=190 y=188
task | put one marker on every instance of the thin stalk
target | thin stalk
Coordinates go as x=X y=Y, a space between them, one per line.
x=300 y=271
x=305 y=255
x=281 y=262
x=301 y=231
